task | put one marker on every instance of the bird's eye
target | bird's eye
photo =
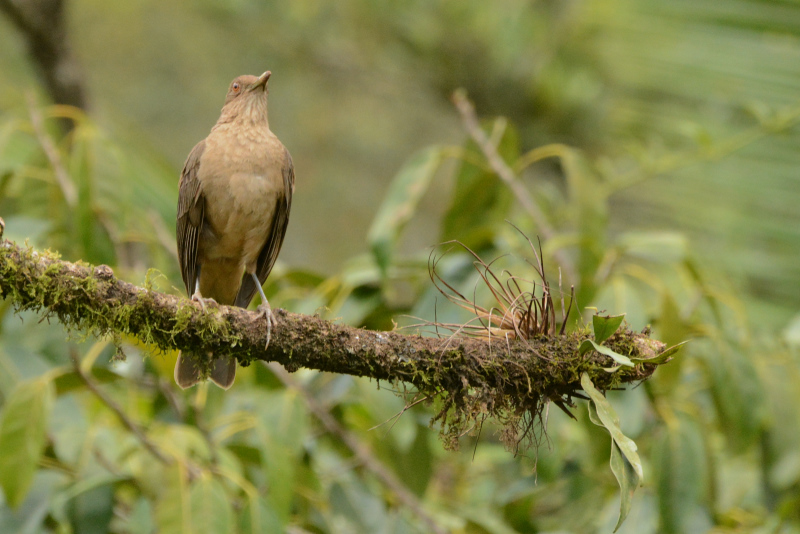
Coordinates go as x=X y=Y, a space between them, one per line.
x=235 y=87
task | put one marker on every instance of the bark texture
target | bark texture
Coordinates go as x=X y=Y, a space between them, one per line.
x=468 y=379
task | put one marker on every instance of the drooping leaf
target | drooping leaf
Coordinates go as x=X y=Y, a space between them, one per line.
x=604 y=327
x=627 y=478
x=400 y=203
x=588 y=345
x=625 y=462
x=22 y=437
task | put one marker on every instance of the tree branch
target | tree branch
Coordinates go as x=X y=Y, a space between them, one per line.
x=43 y=25
x=469 y=378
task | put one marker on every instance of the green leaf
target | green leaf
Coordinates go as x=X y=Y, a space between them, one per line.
x=481 y=201
x=280 y=466
x=88 y=500
x=625 y=462
x=284 y=428
x=400 y=203
x=29 y=517
x=627 y=478
x=258 y=518
x=210 y=507
x=738 y=392
x=172 y=506
x=588 y=345
x=664 y=357
x=679 y=456
x=604 y=327
x=353 y=502
x=68 y=382
x=92 y=511
x=22 y=437
x=140 y=518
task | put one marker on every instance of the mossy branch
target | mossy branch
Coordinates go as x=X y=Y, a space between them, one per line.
x=471 y=379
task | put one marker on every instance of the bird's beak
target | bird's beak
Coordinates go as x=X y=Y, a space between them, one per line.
x=262 y=81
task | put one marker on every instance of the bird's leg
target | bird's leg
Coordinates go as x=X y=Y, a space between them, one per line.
x=264 y=308
x=197 y=297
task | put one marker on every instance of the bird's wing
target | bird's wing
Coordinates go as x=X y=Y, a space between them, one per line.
x=269 y=253
x=191 y=205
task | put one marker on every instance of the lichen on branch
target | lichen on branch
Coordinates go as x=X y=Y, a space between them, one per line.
x=468 y=379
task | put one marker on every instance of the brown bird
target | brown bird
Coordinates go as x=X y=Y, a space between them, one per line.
x=233 y=209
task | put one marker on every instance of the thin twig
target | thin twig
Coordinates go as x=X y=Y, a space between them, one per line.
x=121 y=415
x=498 y=165
x=361 y=452
x=501 y=168
x=396 y=417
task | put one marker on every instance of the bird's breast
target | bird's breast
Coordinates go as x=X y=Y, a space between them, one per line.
x=242 y=182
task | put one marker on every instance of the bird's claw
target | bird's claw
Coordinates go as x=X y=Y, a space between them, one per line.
x=197 y=297
x=265 y=310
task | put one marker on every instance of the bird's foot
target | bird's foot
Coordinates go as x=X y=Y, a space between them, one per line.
x=197 y=297
x=265 y=310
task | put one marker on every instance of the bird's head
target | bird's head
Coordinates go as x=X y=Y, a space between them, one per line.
x=247 y=98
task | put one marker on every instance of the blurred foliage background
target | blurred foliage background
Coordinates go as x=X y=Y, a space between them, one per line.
x=658 y=138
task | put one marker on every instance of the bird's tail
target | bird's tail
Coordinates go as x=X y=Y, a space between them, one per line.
x=189 y=371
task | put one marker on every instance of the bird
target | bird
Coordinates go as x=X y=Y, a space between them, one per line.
x=234 y=198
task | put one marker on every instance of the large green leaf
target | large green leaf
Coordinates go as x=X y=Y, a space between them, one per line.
x=588 y=211
x=738 y=393
x=481 y=201
x=625 y=462
x=284 y=429
x=210 y=507
x=63 y=503
x=257 y=517
x=29 y=516
x=681 y=474
x=400 y=203
x=22 y=437
x=92 y=508
x=354 y=503
x=173 y=510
